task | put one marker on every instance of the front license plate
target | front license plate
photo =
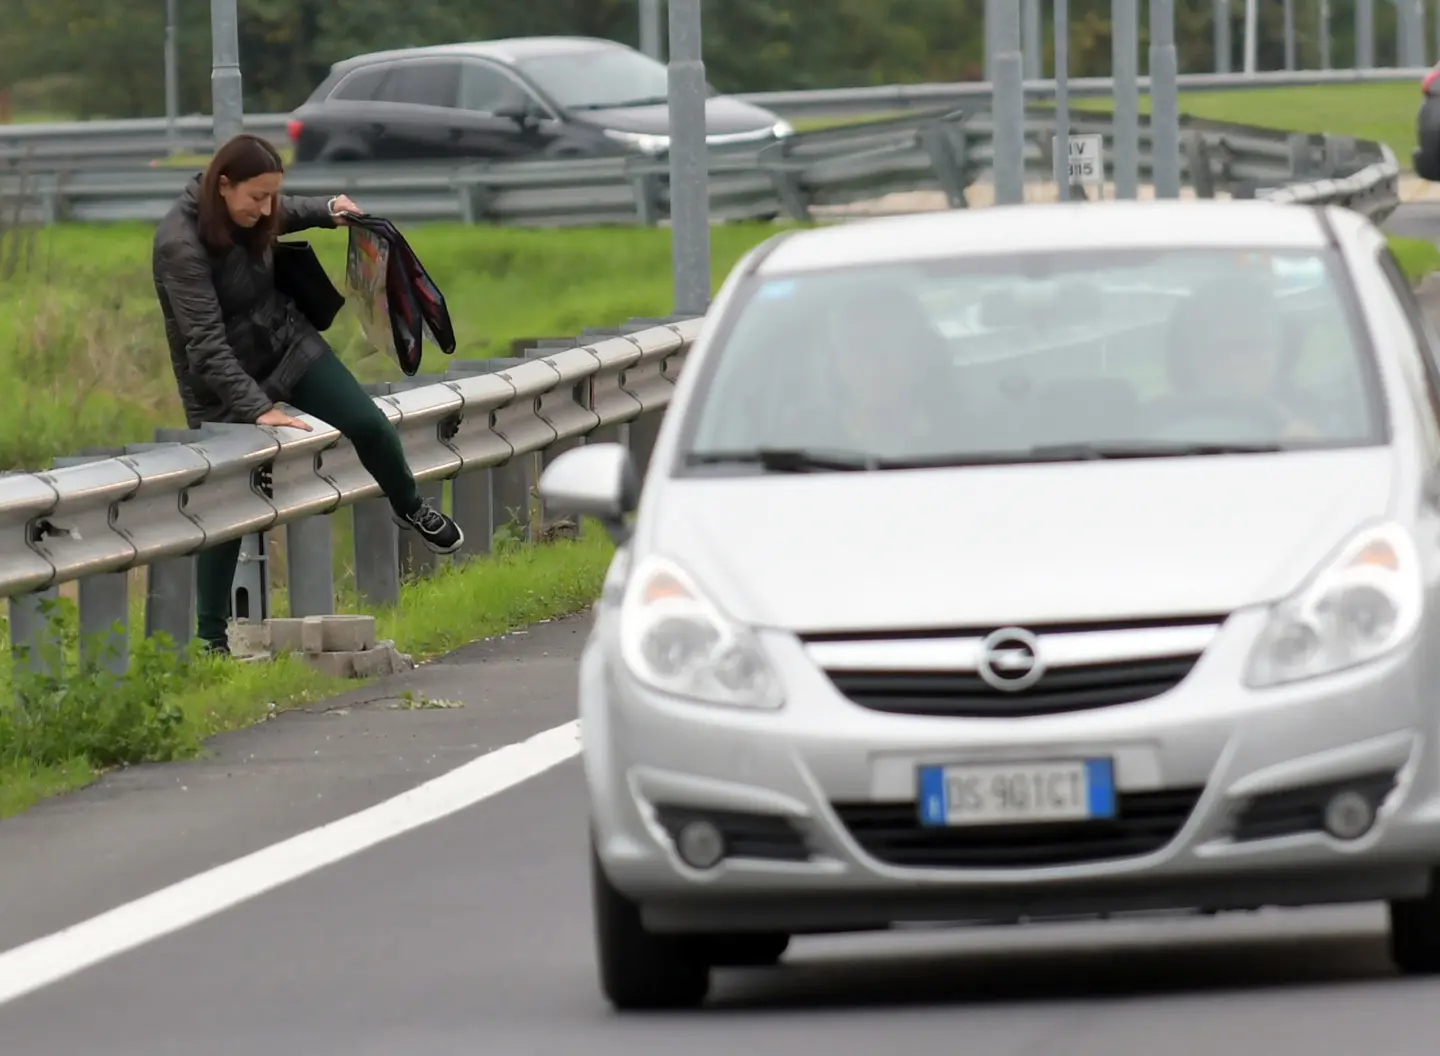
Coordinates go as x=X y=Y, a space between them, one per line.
x=1017 y=793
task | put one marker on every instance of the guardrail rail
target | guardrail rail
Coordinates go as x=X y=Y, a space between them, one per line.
x=937 y=150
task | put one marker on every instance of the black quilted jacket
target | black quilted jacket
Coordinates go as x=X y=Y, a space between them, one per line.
x=237 y=346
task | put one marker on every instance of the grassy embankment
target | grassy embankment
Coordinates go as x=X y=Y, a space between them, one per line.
x=80 y=339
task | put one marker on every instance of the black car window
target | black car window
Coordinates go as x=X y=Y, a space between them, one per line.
x=485 y=89
x=361 y=84
x=422 y=84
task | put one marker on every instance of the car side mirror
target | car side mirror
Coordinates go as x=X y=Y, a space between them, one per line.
x=518 y=111
x=594 y=480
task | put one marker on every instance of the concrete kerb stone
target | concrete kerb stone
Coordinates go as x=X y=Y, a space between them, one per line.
x=337 y=646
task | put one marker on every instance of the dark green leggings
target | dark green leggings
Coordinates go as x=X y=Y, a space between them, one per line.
x=329 y=392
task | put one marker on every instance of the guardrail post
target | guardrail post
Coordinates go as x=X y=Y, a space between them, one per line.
x=31 y=632
x=1298 y=144
x=413 y=556
x=1339 y=154
x=1197 y=160
x=250 y=589
x=104 y=599
x=947 y=146
x=505 y=488
x=377 y=543
x=170 y=583
x=310 y=566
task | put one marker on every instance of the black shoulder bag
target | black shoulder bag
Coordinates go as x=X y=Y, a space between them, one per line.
x=301 y=277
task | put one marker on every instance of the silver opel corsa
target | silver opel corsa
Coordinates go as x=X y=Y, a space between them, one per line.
x=1019 y=563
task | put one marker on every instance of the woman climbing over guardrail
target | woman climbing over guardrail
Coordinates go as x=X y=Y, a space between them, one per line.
x=239 y=347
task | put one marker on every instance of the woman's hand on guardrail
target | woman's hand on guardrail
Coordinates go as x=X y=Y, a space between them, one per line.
x=279 y=419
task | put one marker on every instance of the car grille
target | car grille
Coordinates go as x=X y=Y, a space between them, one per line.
x=892 y=833
x=965 y=693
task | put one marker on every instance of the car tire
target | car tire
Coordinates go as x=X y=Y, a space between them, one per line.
x=1415 y=932
x=746 y=951
x=641 y=971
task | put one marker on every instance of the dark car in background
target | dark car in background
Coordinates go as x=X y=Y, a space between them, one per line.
x=506 y=100
x=1426 y=158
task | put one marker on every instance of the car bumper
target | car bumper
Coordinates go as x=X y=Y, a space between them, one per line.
x=1200 y=766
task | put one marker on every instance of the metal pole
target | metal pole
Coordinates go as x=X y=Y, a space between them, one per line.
x=1252 y=30
x=1125 y=67
x=1289 y=14
x=1034 y=68
x=1325 y=57
x=1410 y=27
x=225 y=85
x=650 y=28
x=1164 y=99
x=1364 y=35
x=1222 y=36
x=689 y=169
x=1062 y=99
x=989 y=29
x=172 y=77
x=1009 y=108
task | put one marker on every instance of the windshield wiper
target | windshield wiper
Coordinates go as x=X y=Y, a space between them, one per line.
x=1080 y=453
x=624 y=104
x=787 y=459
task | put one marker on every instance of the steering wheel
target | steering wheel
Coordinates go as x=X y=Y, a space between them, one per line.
x=1218 y=419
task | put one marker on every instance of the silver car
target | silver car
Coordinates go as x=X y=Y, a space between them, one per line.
x=1015 y=564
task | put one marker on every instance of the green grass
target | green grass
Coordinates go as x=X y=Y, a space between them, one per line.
x=174 y=707
x=1381 y=112
x=1416 y=255
x=81 y=334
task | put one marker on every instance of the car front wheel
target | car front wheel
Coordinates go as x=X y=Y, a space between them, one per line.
x=641 y=971
x=1415 y=932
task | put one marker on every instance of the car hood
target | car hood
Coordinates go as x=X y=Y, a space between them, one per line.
x=723 y=116
x=988 y=546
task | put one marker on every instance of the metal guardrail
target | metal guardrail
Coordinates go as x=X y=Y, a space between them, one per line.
x=948 y=151
x=112 y=143
x=96 y=517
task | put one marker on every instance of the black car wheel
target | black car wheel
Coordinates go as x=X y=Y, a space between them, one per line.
x=640 y=971
x=1415 y=932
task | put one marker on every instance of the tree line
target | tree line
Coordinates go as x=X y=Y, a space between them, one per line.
x=105 y=58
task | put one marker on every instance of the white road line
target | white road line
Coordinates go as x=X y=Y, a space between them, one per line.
x=52 y=958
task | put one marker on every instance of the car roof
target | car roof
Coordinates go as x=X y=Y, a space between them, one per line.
x=1041 y=227
x=509 y=50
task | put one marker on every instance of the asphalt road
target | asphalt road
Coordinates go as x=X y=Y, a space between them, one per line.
x=472 y=934
x=1421 y=220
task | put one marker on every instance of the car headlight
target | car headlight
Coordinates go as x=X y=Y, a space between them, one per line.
x=676 y=640
x=641 y=141
x=782 y=129
x=1362 y=603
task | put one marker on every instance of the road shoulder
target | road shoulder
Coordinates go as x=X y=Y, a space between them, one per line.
x=143 y=828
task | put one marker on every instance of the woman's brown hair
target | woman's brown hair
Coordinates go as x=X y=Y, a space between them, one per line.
x=240 y=158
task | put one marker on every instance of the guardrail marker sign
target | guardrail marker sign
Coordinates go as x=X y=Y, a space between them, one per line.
x=1087 y=159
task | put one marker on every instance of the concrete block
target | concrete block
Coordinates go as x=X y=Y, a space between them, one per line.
x=384 y=659
x=348 y=634
x=308 y=634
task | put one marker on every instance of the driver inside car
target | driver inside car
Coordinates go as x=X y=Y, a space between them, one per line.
x=1228 y=348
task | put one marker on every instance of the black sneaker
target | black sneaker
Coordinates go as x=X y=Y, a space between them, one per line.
x=440 y=534
x=219 y=647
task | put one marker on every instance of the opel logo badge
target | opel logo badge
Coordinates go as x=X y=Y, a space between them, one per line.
x=1010 y=660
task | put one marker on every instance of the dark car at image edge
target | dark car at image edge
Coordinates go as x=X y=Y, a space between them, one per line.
x=524 y=98
x=1426 y=158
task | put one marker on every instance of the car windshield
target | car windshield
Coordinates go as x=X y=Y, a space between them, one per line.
x=1001 y=359
x=599 y=79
